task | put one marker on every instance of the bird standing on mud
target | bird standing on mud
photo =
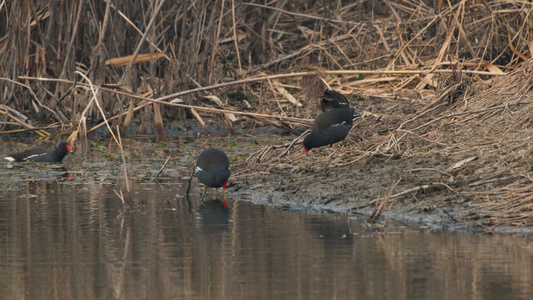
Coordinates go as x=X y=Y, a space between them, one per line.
x=330 y=127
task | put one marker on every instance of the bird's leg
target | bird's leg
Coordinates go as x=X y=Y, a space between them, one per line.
x=203 y=194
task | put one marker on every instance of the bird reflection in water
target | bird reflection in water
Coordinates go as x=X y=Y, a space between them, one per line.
x=213 y=214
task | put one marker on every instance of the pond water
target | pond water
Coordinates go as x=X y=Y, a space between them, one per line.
x=65 y=237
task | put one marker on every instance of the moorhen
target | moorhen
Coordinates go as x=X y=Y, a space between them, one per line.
x=41 y=155
x=332 y=100
x=212 y=168
x=330 y=127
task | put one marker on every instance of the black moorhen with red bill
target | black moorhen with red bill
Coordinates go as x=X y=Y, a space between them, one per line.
x=332 y=100
x=41 y=155
x=330 y=127
x=212 y=168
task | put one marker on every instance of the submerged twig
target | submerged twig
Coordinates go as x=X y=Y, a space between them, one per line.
x=125 y=202
x=162 y=168
x=120 y=196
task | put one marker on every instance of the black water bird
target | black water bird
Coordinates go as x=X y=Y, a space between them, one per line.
x=330 y=127
x=212 y=168
x=41 y=155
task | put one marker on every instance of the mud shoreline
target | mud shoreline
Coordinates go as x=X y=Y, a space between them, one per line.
x=440 y=211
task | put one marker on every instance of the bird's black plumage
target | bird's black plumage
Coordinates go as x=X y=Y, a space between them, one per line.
x=330 y=127
x=41 y=155
x=212 y=168
x=333 y=100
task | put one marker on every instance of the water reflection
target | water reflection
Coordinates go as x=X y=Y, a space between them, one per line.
x=34 y=172
x=213 y=216
x=71 y=241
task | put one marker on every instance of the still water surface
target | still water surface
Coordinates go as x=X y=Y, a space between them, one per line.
x=69 y=240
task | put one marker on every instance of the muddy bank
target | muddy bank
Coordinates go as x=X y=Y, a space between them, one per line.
x=357 y=187
x=423 y=195
x=464 y=164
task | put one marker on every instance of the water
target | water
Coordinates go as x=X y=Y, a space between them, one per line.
x=70 y=240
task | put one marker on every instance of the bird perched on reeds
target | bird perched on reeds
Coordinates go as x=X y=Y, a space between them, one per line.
x=330 y=127
x=333 y=100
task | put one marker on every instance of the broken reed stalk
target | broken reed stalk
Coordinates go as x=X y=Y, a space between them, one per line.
x=129 y=116
x=389 y=193
x=380 y=206
x=121 y=197
x=162 y=168
x=199 y=118
x=125 y=202
x=158 y=119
